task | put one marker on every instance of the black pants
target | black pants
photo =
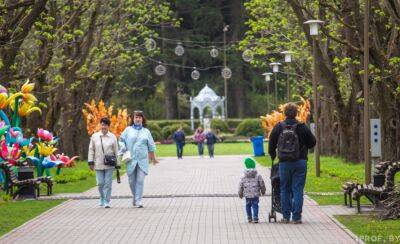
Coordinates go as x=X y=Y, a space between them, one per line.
x=179 y=149
x=210 y=150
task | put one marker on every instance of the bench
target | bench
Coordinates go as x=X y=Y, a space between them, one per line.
x=376 y=194
x=350 y=186
x=12 y=179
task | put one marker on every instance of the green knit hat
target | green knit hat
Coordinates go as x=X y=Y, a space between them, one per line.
x=250 y=163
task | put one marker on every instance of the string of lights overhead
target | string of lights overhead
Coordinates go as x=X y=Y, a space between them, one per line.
x=161 y=67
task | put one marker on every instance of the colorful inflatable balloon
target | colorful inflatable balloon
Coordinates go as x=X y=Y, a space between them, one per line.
x=44 y=135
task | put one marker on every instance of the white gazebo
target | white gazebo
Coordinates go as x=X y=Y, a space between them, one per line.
x=206 y=98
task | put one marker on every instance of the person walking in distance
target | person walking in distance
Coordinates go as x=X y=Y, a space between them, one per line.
x=179 y=138
x=199 y=138
x=211 y=140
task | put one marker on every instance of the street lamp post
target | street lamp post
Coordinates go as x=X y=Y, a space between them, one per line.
x=288 y=60
x=367 y=152
x=268 y=80
x=275 y=70
x=225 y=79
x=314 y=24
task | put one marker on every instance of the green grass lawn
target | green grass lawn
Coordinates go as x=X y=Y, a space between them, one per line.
x=14 y=214
x=370 y=229
x=334 y=172
x=190 y=149
x=77 y=186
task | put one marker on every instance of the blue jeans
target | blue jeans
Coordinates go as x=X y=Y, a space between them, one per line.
x=252 y=203
x=104 y=183
x=179 y=149
x=210 y=150
x=136 y=183
x=200 y=147
x=292 y=180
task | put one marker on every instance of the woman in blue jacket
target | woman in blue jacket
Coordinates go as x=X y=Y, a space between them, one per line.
x=139 y=141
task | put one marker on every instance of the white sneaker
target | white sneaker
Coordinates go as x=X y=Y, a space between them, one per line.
x=101 y=203
x=107 y=205
x=139 y=205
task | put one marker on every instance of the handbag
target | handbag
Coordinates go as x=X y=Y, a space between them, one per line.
x=109 y=160
x=126 y=157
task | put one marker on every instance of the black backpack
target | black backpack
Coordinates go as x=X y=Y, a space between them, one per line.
x=288 y=143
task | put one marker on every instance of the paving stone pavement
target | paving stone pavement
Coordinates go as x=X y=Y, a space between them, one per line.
x=188 y=201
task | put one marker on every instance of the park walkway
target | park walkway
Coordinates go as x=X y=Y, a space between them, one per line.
x=186 y=201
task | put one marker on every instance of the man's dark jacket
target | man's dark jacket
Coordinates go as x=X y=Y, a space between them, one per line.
x=179 y=137
x=306 y=138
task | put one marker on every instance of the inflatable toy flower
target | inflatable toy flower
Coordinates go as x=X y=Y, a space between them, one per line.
x=25 y=93
x=3 y=97
x=3 y=128
x=45 y=150
x=65 y=161
x=27 y=108
x=10 y=154
x=44 y=135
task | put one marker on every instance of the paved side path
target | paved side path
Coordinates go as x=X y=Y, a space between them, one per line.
x=187 y=201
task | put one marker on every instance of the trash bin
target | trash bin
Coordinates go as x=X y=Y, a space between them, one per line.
x=258 y=145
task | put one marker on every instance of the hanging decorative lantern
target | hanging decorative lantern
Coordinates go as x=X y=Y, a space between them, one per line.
x=150 y=44
x=226 y=73
x=247 y=55
x=195 y=74
x=160 y=69
x=179 y=50
x=214 y=52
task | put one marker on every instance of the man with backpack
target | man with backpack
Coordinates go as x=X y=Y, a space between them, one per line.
x=291 y=139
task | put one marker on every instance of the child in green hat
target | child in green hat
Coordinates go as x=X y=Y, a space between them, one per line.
x=251 y=187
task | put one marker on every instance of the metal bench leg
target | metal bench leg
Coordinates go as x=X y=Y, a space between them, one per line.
x=350 y=201
x=345 y=199
x=358 y=204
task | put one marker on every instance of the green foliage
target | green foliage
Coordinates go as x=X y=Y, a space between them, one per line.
x=155 y=130
x=168 y=131
x=163 y=123
x=371 y=229
x=249 y=128
x=73 y=176
x=14 y=214
x=6 y=197
x=217 y=124
x=240 y=148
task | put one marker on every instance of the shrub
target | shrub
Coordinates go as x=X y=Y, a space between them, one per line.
x=163 y=123
x=72 y=176
x=155 y=131
x=234 y=123
x=6 y=197
x=217 y=124
x=169 y=130
x=249 y=128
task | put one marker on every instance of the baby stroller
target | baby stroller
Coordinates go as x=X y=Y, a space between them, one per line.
x=275 y=192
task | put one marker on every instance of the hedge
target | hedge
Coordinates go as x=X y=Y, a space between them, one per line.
x=168 y=131
x=155 y=130
x=249 y=128
x=217 y=124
